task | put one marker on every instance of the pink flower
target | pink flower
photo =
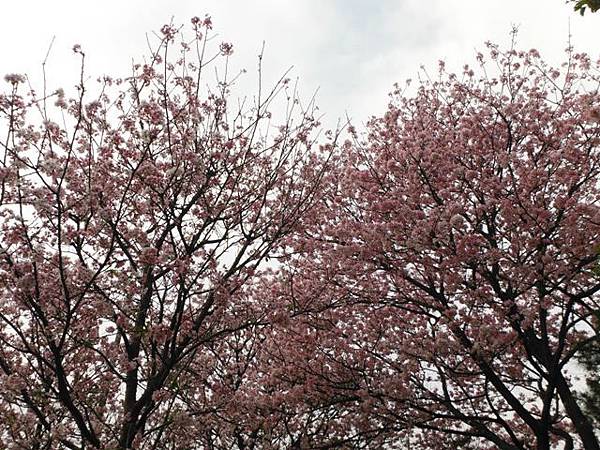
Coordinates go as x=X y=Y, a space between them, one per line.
x=168 y=31
x=226 y=49
x=593 y=114
x=148 y=256
x=14 y=78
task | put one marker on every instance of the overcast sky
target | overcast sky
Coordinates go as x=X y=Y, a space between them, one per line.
x=351 y=50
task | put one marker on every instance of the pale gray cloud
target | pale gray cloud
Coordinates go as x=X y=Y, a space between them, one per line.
x=353 y=50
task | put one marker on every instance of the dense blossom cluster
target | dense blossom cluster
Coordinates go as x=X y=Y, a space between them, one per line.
x=433 y=280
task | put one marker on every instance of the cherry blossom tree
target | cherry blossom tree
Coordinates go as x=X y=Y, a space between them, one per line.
x=135 y=221
x=447 y=284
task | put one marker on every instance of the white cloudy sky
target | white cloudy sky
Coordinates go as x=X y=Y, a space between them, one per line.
x=352 y=50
